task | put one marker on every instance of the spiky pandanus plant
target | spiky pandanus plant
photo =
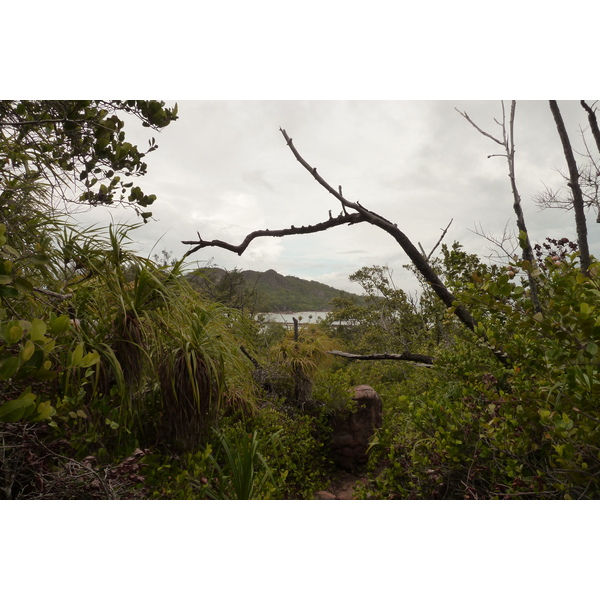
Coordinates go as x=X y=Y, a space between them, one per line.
x=119 y=300
x=169 y=359
x=302 y=357
x=201 y=368
x=108 y=307
x=190 y=397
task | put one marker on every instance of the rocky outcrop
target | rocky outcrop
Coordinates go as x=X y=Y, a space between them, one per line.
x=353 y=428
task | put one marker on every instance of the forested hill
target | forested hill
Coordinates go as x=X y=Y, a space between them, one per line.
x=268 y=291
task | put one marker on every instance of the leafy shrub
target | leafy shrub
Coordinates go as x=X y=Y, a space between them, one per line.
x=298 y=458
x=527 y=429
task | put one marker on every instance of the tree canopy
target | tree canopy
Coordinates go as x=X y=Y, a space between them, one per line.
x=76 y=150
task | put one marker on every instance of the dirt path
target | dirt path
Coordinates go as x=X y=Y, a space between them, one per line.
x=341 y=487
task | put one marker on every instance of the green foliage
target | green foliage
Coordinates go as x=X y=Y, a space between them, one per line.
x=480 y=429
x=266 y=291
x=298 y=459
x=332 y=387
x=245 y=474
x=59 y=142
x=271 y=455
x=387 y=320
x=168 y=477
x=306 y=353
x=36 y=354
x=200 y=370
x=226 y=287
x=299 y=359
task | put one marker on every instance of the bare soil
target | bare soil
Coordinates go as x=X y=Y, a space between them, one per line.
x=342 y=486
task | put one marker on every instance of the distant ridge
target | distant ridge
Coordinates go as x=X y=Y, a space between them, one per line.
x=274 y=292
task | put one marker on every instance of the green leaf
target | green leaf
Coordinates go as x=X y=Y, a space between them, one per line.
x=27 y=351
x=8 y=367
x=91 y=358
x=6 y=267
x=14 y=410
x=8 y=291
x=4 y=279
x=11 y=250
x=23 y=285
x=60 y=324
x=38 y=330
x=11 y=411
x=44 y=411
x=585 y=310
x=40 y=259
x=12 y=332
x=76 y=356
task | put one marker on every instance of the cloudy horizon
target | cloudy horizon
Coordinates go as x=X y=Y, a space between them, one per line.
x=223 y=170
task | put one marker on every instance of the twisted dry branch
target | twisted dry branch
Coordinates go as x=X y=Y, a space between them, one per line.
x=360 y=215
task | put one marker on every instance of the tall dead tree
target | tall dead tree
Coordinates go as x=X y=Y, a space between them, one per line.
x=593 y=121
x=508 y=143
x=351 y=214
x=578 y=203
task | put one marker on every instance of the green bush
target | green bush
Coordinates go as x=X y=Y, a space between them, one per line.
x=529 y=428
x=298 y=459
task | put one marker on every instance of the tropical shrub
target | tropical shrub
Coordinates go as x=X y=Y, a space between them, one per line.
x=525 y=428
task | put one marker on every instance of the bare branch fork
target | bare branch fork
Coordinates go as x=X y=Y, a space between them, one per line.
x=349 y=219
x=508 y=143
x=444 y=232
x=360 y=214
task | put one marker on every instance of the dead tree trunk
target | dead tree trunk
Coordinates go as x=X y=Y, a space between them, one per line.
x=593 y=121
x=578 y=206
x=508 y=143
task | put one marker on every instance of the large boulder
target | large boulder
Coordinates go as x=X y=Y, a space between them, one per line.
x=353 y=428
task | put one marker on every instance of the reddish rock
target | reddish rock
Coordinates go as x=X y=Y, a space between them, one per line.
x=353 y=429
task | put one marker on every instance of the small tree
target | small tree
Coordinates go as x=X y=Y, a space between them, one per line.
x=77 y=149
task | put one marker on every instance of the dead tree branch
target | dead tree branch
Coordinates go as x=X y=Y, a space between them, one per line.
x=360 y=215
x=440 y=240
x=594 y=171
x=593 y=122
x=508 y=143
x=578 y=205
x=418 y=359
x=409 y=248
x=348 y=219
x=53 y=294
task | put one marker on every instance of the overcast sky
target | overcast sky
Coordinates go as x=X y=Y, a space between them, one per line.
x=223 y=169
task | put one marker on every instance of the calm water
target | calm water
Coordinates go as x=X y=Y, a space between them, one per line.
x=287 y=318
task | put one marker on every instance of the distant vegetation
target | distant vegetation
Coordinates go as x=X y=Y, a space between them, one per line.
x=267 y=291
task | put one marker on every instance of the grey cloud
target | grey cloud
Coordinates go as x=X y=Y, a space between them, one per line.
x=224 y=169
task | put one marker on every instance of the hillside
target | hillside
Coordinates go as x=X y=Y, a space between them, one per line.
x=267 y=291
